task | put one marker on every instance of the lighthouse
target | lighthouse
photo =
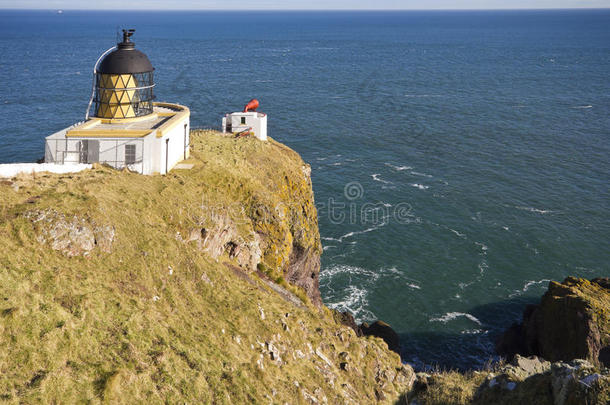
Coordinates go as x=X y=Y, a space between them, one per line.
x=124 y=127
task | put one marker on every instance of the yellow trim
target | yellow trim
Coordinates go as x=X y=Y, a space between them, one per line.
x=176 y=117
x=108 y=133
x=128 y=120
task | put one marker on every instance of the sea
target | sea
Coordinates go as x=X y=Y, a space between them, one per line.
x=460 y=159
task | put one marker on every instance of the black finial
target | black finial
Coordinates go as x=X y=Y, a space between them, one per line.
x=127 y=34
x=127 y=44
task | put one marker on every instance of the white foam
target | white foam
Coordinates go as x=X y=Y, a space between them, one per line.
x=354 y=233
x=375 y=177
x=454 y=315
x=421 y=174
x=531 y=209
x=398 y=168
x=527 y=286
x=482 y=267
x=482 y=246
x=461 y=235
x=582 y=107
x=355 y=302
x=419 y=186
x=473 y=331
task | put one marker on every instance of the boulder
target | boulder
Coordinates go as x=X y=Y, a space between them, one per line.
x=572 y=321
x=384 y=331
x=347 y=319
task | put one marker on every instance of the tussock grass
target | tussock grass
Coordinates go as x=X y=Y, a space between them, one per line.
x=119 y=328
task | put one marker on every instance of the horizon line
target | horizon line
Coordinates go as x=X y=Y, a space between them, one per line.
x=310 y=9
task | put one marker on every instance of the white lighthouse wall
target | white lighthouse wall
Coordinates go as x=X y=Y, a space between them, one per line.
x=174 y=144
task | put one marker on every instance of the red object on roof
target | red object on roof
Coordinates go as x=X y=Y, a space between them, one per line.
x=251 y=106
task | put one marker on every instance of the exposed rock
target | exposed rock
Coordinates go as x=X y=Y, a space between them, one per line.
x=71 y=235
x=571 y=383
x=304 y=271
x=384 y=331
x=571 y=322
x=347 y=319
x=224 y=237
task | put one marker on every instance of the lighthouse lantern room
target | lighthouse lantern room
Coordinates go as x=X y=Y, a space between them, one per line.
x=128 y=129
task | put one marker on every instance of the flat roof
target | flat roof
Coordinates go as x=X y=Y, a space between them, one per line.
x=163 y=118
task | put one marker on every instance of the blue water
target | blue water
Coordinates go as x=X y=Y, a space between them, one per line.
x=478 y=143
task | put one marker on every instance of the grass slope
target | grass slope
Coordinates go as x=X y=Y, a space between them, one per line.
x=158 y=320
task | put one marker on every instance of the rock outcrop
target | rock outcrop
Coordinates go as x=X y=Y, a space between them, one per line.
x=572 y=321
x=532 y=380
x=385 y=332
x=72 y=235
x=522 y=381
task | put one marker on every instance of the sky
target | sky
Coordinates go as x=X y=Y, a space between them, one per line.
x=300 y=5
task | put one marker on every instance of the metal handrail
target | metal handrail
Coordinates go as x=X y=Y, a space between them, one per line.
x=94 y=78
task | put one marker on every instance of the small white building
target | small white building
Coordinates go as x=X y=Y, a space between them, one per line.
x=128 y=130
x=249 y=122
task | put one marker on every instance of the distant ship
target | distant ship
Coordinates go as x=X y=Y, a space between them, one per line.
x=60 y=11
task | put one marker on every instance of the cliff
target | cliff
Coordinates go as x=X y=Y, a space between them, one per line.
x=572 y=321
x=202 y=287
x=196 y=287
x=570 y=327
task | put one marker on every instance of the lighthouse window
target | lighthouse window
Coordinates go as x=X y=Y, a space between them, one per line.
x=243 y=120
x=130 y=154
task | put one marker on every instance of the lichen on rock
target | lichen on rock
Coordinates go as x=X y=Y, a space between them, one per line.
x=572 y=321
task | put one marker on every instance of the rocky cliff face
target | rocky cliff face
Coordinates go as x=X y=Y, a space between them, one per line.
x=524 y=380
x=196 y=287
x=572 y=321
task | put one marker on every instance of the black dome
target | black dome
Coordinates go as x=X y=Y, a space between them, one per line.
x=125 y=60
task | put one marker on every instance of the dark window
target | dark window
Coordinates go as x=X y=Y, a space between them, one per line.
x=243 y=120
x=130 y=154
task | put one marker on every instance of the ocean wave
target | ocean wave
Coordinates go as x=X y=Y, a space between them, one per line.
x=419 y=186
x=527 y=286
x=535 y=210
x=482 y=267
x=423 y=95
x=482 y=246
x=582 y=107
x=449 y=316
x=398 y=168
x=421 y=174
x=354 y=233
x=360 y=281
x=356 y=303
x=375 y=177
x=474 y=332
x=461 y=235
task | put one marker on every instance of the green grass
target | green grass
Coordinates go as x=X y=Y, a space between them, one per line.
x=119 y=328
